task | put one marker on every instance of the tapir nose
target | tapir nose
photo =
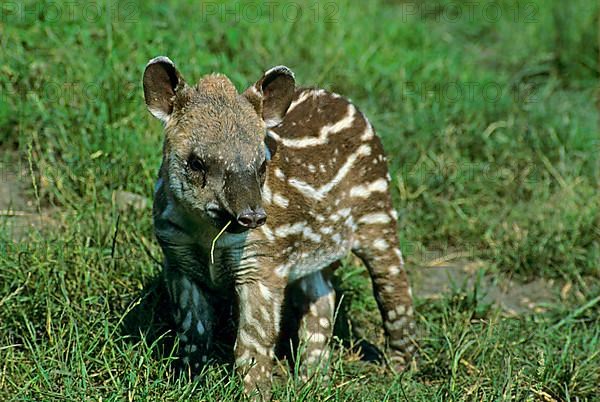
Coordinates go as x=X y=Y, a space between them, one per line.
x=252 y=218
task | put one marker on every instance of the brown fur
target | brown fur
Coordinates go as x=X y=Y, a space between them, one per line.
x=324 y=192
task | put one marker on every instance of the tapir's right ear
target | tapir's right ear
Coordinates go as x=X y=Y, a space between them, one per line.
x=161 y=83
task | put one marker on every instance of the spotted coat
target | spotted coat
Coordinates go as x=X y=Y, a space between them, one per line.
x=324 y=190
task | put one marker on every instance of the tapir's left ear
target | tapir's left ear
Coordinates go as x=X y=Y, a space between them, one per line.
x=272 y=94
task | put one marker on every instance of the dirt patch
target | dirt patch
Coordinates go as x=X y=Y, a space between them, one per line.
x=18 y=214
x=512 y=296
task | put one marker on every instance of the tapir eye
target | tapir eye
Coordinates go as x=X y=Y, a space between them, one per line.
x=196 y=164
x=197 y=167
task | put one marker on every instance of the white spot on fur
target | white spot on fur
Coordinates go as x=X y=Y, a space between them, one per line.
x=279 y=174
x=364 y=191
x=337 y=238
x=317 y=337
x=396 y=325
x=200 y=328
x=276 y=320
x=326 y=230
x=303 y=97
x=345 y=123
x=342 y=213
x=368 y=133
x=266 y=194
x=195 y=295
x=267 y=232
x=308 y=191
x=283 y=270
x=280 y=200
x=265 y=313
x=184 y=298
x=264 y=291
x=349 y=222
x=311 y=235
x=243 y=359
x=375 y=218
x=290 y=229
x=248 y=340
x=187 y=323
x=389 y=289
x=380 y=244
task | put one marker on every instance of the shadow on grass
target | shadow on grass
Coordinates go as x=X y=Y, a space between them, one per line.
x=151 y=320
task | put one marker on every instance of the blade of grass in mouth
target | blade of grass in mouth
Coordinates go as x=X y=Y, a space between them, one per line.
x=214 y=242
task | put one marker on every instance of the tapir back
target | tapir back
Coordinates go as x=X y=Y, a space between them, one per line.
x=327 y=178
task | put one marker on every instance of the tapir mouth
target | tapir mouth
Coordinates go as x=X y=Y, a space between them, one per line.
x=235 y=227
x=221 y=218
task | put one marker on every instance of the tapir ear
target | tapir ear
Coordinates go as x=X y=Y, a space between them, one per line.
x=272 y=94
x=161 y=83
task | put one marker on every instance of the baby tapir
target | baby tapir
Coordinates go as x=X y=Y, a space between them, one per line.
x=300 y=179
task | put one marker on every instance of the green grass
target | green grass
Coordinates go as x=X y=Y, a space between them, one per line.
x=491 y=128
